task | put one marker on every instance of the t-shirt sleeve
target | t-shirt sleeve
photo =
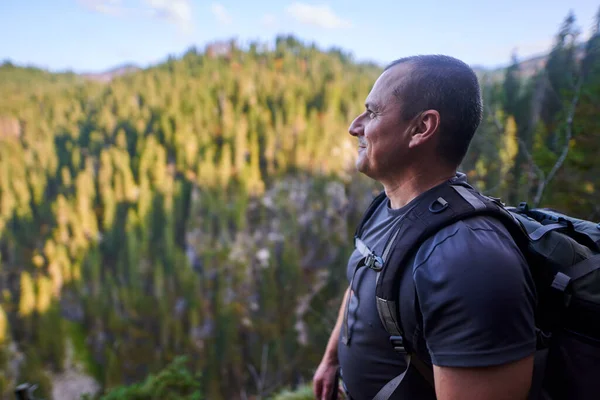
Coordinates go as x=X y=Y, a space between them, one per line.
x=477 y=299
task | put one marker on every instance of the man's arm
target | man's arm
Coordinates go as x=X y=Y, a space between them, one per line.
x=331 y=351
x=505 y=382
x=323 y=381
x=477 y=300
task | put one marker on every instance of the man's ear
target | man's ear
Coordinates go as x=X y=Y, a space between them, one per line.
x=425 y=127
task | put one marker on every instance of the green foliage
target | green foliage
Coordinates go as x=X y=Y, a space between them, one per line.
x=174 y=382
x=50 y=339
x=305 y=392
x=138 y=206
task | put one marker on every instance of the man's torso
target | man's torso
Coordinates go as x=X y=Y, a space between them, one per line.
x=368 y=361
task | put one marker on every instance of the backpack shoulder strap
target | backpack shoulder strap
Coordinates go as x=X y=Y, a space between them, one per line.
x=441 y=206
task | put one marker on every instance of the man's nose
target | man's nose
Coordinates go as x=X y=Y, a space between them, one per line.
x=356 y=127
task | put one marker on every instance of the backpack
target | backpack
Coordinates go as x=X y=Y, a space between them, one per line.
x=563 y=254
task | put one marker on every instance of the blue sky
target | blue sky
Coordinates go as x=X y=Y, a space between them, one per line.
x=94 y=35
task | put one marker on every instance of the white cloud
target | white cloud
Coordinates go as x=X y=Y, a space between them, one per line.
x=220 y=12
x=317 y=15
x=178 y=12
x=269 y=20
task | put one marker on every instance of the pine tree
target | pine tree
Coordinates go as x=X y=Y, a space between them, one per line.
x=4 y=332
x=27 y=295
x=561 y=74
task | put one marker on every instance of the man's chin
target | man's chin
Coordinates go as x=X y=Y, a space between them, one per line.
x=363 y=168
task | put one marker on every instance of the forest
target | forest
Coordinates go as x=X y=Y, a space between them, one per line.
x=204 y=207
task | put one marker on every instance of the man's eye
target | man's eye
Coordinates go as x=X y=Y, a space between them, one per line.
x=371 y=114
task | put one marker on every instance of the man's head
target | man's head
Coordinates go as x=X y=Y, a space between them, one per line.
x=421 y=110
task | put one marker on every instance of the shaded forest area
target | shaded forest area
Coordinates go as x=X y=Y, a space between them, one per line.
x=205 y=206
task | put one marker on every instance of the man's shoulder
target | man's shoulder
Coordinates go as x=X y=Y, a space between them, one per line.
x=462 y=275
x=473 y=239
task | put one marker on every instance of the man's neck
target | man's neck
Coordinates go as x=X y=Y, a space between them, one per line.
x=406 y=188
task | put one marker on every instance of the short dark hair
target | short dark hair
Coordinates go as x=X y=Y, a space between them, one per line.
x=449 y=86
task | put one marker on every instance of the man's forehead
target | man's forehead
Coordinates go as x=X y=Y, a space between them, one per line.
x=386 y=83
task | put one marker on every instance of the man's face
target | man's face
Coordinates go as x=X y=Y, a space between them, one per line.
x=383 y=136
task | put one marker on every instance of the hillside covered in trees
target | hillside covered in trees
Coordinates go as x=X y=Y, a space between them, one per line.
x=205 y=206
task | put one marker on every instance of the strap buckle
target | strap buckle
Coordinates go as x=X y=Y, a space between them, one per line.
x=374 y=262
x=371 y=260
x=398 y=344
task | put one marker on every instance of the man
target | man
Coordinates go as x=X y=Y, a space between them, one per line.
x=475 y=296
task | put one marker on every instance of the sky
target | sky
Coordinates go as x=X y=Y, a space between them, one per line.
x=96 y=35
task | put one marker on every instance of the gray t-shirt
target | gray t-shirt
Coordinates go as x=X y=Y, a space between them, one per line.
x=476 y=300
